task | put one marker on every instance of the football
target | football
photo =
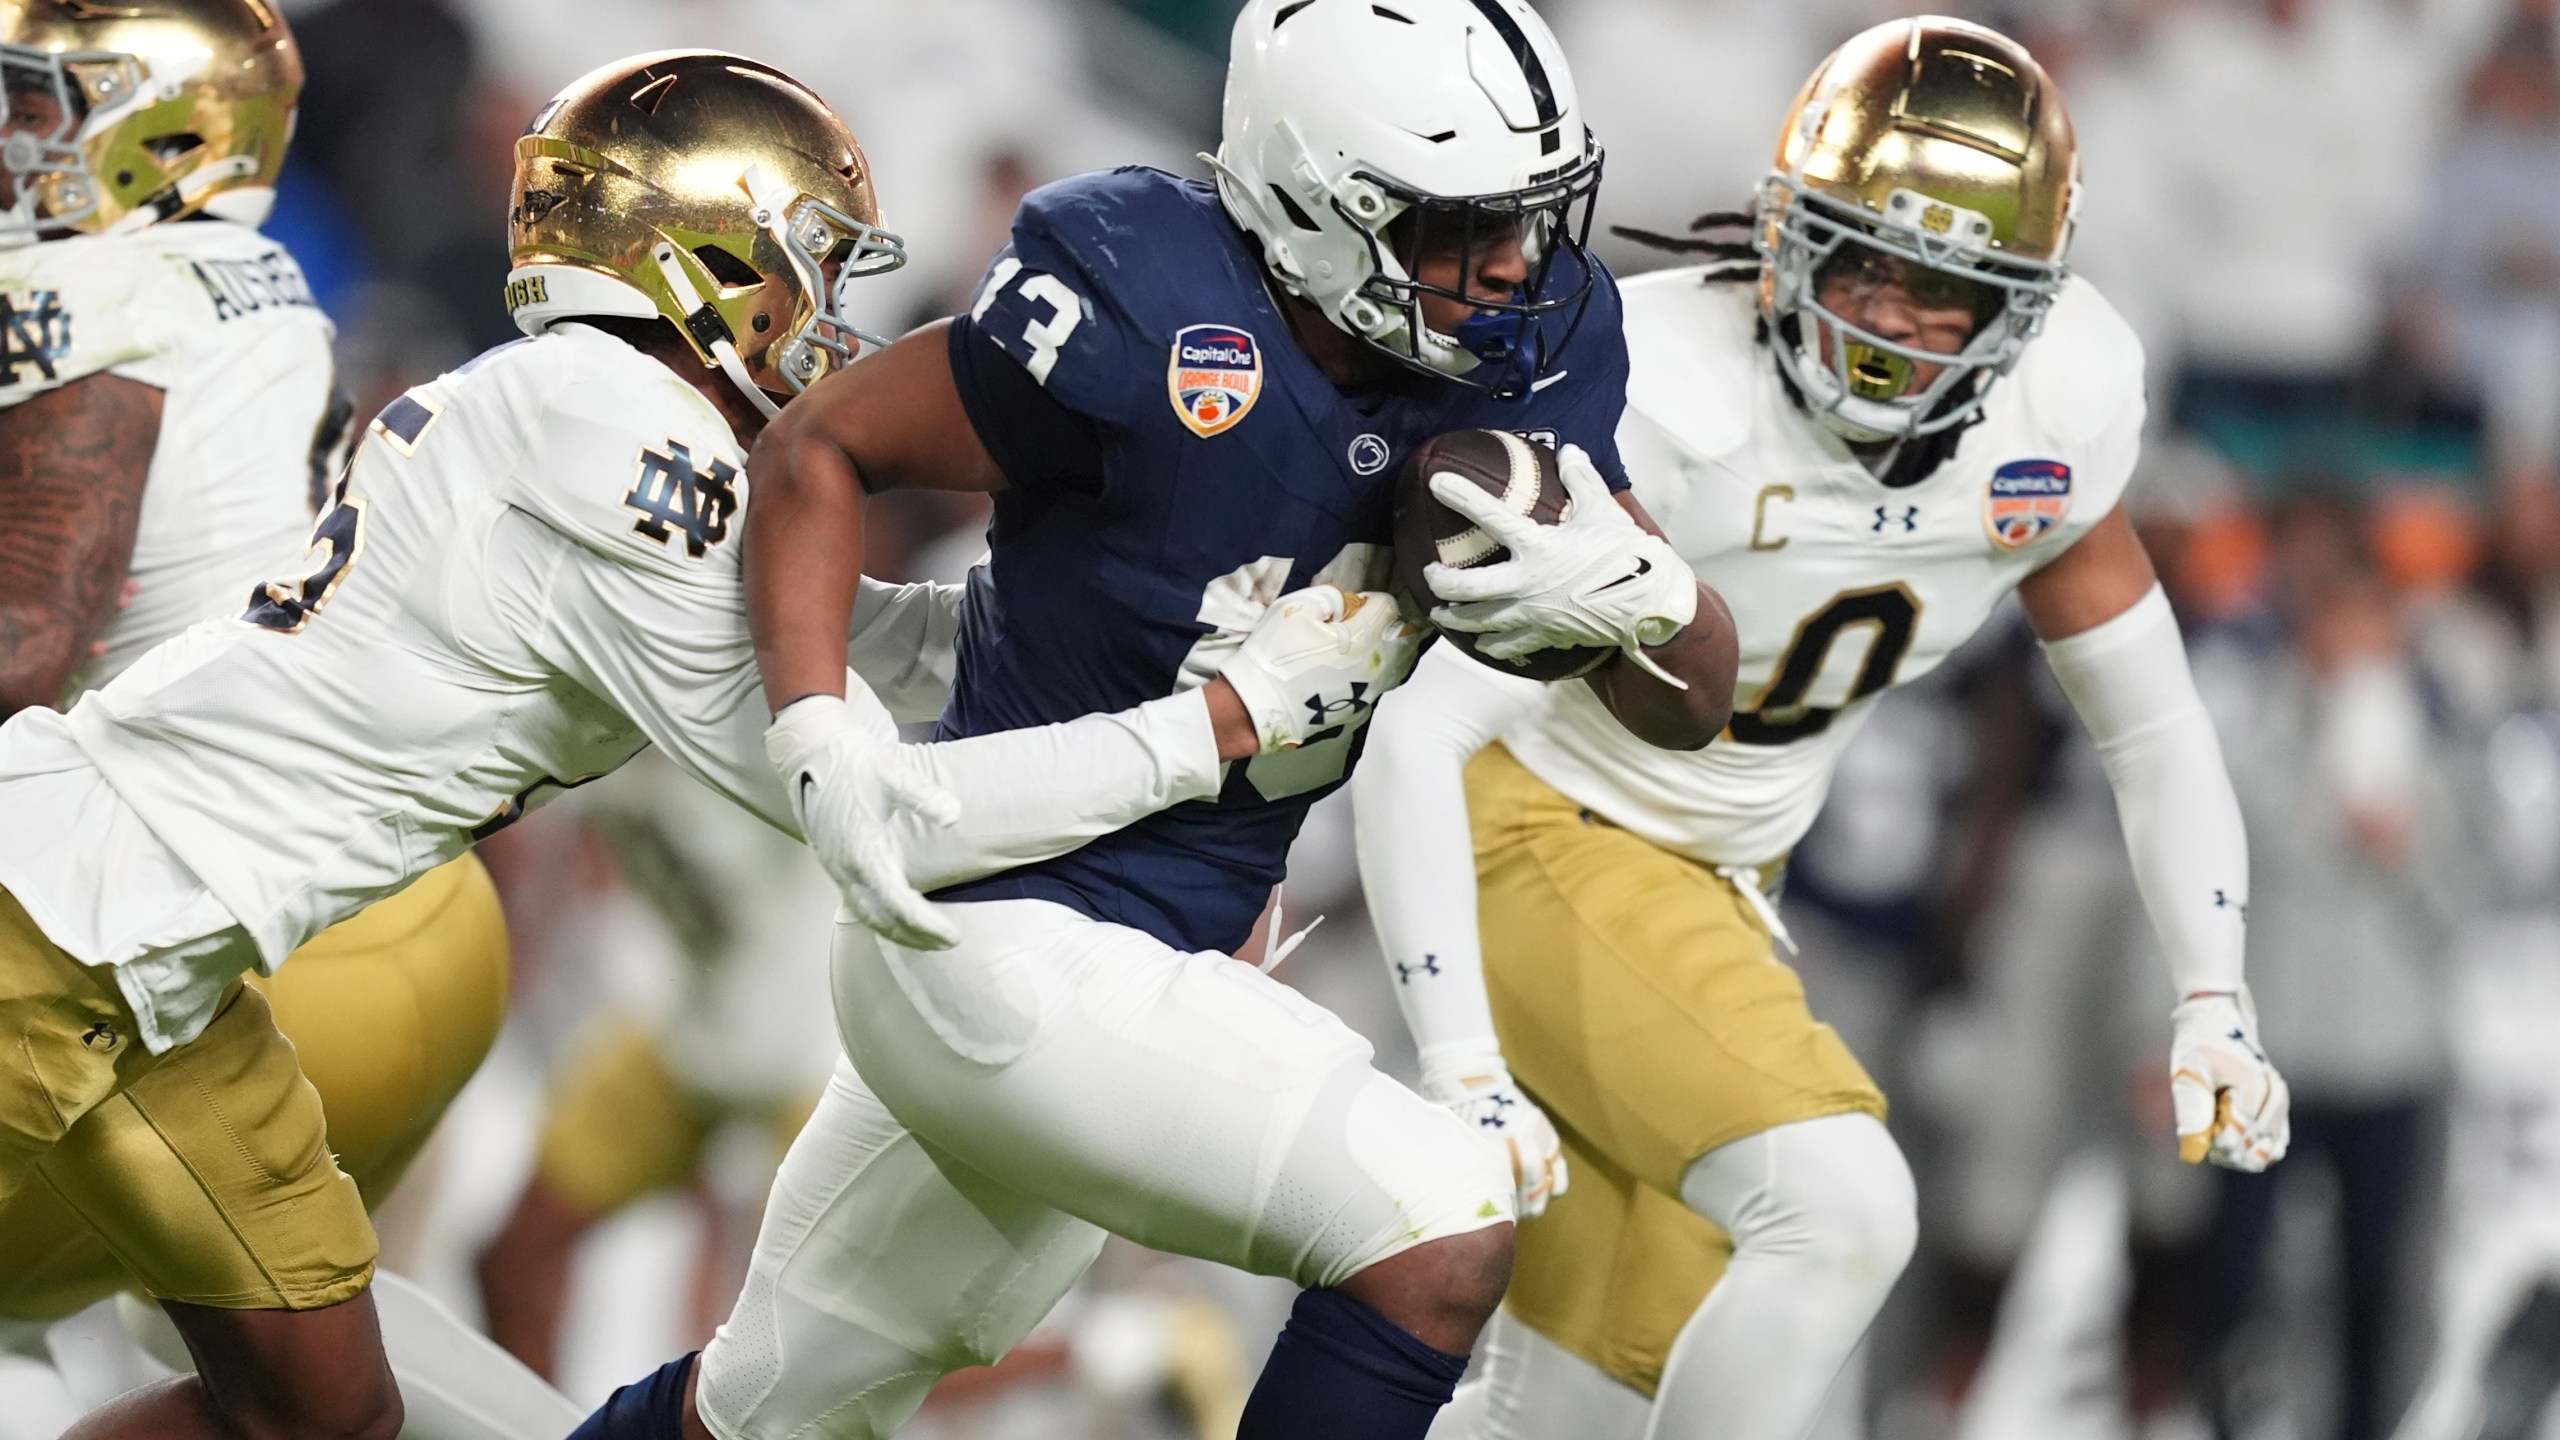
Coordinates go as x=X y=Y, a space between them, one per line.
x=1523 y=475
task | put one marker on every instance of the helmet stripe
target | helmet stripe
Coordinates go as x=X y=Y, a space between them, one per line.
x=1541 y=89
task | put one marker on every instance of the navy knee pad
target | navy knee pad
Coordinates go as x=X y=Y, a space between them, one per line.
x=1342 y=1371
x=647 y=1409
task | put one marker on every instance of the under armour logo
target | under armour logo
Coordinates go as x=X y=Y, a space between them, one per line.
x=1909 y=519
x=1404 y=973
x=1320 y=710
x=100 y=1037
x=2222 y=901
x=1493 y=1119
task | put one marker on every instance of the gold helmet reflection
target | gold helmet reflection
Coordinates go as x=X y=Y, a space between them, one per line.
x=708 y=190
x=1945 y=145
x=123 y=115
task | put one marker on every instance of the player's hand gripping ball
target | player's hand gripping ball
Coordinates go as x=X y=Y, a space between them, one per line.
x=1527 y=563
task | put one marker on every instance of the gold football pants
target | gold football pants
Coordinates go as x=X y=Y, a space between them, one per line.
x=171 y=1186
x=621 y=1125
x=1641 y=1002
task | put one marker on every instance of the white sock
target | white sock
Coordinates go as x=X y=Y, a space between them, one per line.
x=1823 y=1218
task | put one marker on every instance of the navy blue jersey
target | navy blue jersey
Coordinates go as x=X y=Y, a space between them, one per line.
x=1173 y=461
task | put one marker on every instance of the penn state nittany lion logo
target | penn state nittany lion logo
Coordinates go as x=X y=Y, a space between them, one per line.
x=1215 y=376
x=2026 y=500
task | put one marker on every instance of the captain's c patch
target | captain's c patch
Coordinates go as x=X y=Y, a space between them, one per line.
x=1215 y=376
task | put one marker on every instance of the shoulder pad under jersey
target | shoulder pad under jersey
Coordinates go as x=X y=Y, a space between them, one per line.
x=1693 y=351
x=2081 y=372
x=619 y=454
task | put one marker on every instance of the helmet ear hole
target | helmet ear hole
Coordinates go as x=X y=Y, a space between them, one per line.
x=1297 y=213
x=725 y=267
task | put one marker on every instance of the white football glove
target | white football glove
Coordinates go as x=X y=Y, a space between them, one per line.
x=2232 y=1106
x=846 y=786
x=1478 y=1088
x=1596 y=578
x=1319 y=658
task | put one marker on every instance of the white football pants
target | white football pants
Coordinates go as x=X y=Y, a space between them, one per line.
x=1823 y=1218
x=1050 y=1077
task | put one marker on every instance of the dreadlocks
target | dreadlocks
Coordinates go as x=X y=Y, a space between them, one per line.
x=1735 y=260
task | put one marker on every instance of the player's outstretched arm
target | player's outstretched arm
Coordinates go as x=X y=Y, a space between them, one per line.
x=1040 y=791
x=892 y=422
x=1417 y=866
x=2113 y=643
x=72 y=465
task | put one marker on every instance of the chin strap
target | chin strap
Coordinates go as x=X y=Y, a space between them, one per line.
x=709 y=330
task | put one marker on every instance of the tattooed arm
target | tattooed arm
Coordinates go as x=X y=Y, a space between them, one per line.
x=72 y=466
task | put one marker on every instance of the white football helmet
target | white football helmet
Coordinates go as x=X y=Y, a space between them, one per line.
x=1355 y=129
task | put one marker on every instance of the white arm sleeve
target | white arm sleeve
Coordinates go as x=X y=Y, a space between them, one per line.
x=1417 y=852
x=676 y=660
x=2129 y=680
x=902 y=645
x=1027 y=795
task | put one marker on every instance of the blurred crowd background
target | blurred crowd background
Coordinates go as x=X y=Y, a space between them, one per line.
x=2336 y=225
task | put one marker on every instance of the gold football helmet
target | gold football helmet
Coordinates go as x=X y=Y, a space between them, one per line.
x=1944 y=145
x=127 y=114
x=707 y=190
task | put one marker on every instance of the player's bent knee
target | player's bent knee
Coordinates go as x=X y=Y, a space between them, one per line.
x=1442 y=1291
x=1834 y=1192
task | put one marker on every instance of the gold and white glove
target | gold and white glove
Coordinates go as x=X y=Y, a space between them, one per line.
x=1596 y=578
x=2232 y=1106
x=846 y=784
x=1319 y=659
x=1476 y=1086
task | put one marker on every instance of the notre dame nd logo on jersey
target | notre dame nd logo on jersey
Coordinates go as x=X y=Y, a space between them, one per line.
x=671 y=495
x=34 y=330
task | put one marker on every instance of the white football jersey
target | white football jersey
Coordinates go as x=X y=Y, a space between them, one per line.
x=217 y=317
x=528 y=573
x=1840 y=586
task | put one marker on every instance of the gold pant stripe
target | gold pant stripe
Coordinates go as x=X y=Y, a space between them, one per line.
x=388 y=1014
x=1642 y=1003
